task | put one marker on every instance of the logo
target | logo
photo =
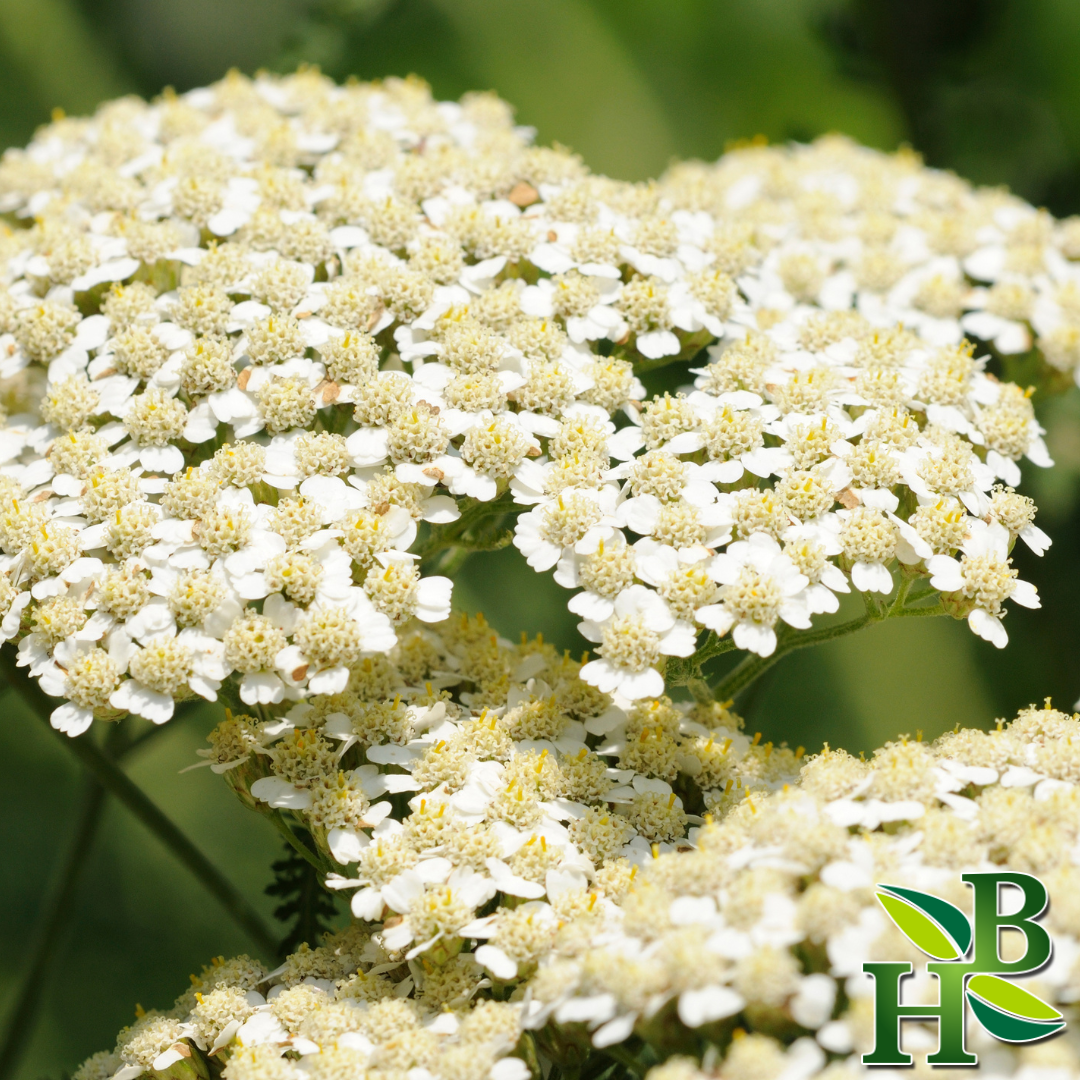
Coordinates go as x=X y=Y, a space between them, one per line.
x=944 y=933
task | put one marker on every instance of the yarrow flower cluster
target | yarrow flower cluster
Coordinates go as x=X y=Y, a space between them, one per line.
x=462 y=767
x=736 y=952
x=276 y=355
x=743 y=956
x=337 y=1011
x=300 y=342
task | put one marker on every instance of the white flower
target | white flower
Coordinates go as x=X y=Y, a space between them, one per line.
x=167 y=662
x=640 y=631
x=606 y=571
x=464 y=891
x=811 y=547
x=577 y=519
x=761 y=585
x=693 y=531
x=983 y=579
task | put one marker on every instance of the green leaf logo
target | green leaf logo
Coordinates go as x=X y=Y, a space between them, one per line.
x=933 y=925
x=1009 y=1012
x=1009 y=997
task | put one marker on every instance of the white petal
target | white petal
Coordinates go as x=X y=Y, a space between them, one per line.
x=133 y=697
x=367 y=904
x=496 y=961
x=617 y=1030
x=433 y=599
x=1025 y=594
x=261 y=688
x=680 y=640
x=697 y=1007
x=71 y=720
x=871 y=577
x=510 y=1068
x=641 y=684
x=345 y=845
x=716 y=617
x=755 y=638
x=279 y=793
x=988 y=627
x=169 y=1057
x=946 y=573
x=330 y=681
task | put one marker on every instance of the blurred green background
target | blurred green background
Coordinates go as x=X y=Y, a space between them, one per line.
x=989 y=88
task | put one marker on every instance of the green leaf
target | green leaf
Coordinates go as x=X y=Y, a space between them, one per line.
x=949 y=917
x=920 y=930
x=1009 y=1028
x=1009 y=997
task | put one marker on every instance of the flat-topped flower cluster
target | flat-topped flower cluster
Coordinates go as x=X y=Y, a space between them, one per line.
x=339 y=1011
x=736 y=953
x=462 y=768
x=752 y=943
x=303 y=344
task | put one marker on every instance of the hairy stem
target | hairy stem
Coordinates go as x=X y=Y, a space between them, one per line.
x=686 y=671
x=449 y=535
x=452 y=561
x=117 y=783
x=700 y=691
x=752 y=667
x=918 y=612
x=901 y=594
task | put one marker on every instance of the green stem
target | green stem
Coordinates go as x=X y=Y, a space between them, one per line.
x=625 y=1058
x=117 y=783
x=901 y=595
x=700 y=691
x=452 y=562
x=151 y=734
x=752 y=667
x=919 y=612
x=295 y=842
x=56 y=912
x=59 y=906
x=444 y=536
x=714 y=646
x=687 y=671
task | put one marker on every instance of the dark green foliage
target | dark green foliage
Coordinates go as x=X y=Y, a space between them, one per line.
x=305 y=905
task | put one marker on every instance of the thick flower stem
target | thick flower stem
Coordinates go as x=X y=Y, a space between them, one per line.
x=117 y=783
x=901 y=594
x=56 y=912
x=918 y=612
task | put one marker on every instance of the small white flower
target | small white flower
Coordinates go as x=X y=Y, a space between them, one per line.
x=761 y=585
x=640 y=631
x=983 y=579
